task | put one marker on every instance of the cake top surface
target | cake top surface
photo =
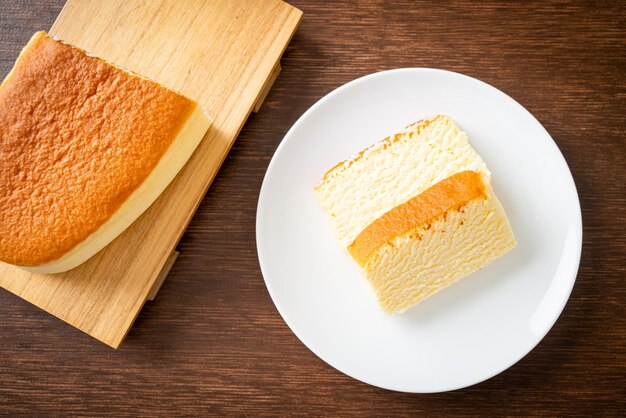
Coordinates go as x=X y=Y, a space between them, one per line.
x=450 y=194
x=77 y=136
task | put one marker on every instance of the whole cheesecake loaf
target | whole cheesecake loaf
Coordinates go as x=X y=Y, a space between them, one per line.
x=85 y=148
x=416 y=212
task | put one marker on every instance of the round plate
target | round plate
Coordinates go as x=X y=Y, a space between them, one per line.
x=467 y=333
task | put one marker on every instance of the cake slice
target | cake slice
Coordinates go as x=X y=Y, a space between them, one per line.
x=361 y=189
x=448 y=223
x=85 y=148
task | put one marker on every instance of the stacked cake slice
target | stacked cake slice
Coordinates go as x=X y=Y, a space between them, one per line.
x=416 y=212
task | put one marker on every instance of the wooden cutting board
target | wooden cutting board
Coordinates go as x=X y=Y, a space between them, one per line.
x=222 y=53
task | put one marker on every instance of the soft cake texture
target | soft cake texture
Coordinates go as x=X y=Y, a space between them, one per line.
x=446 y=224
x=447 y=196
x=85 y=148
x=359 y=190
x=424 y=245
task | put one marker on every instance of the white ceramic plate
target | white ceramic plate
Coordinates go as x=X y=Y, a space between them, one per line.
x=467 y=333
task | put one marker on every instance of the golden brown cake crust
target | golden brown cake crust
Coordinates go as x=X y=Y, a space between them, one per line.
x=433 y=203
x=77 y=137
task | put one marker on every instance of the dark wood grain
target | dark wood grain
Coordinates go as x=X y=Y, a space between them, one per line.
x=212 y=341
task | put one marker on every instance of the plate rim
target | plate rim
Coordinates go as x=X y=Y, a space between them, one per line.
x=320 y=102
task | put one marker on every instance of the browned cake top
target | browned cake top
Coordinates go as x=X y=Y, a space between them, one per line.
x=432 y=204
x=77 y=137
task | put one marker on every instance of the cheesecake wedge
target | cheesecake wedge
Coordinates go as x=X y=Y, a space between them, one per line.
x=85 y=148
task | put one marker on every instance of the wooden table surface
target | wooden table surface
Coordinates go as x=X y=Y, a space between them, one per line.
x=213 y=343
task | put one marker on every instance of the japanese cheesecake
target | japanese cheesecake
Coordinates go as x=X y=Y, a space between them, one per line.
x=85 y=148
x=416 y=212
